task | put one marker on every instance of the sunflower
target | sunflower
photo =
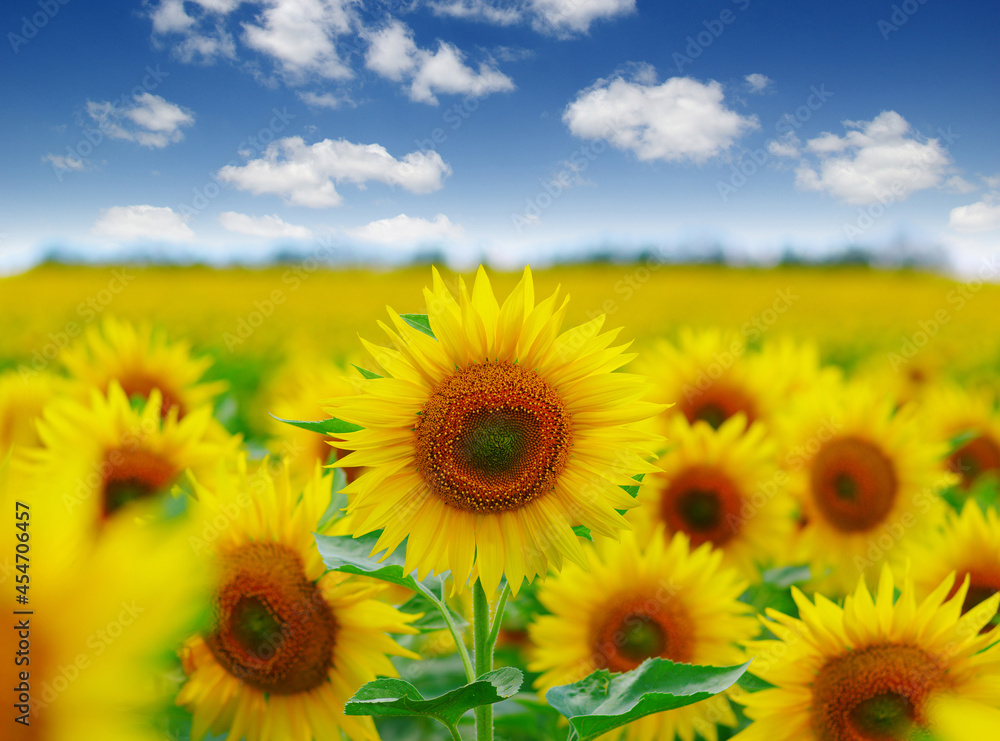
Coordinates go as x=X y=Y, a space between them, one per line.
x=969 y=545
x=502 y=432
x=665 y=601
x=706 y=376
x=720 y=487
x=866 y=480
x=289 y=645
x=141 y=360
x=99 y=626
x=22 y=398
x=99 y=458
x=972 y=418
x=874 y=670
x=300 y=390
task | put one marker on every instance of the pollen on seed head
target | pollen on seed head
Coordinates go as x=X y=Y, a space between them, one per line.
x=853 y=484
x=492 y=437
x=274 y=631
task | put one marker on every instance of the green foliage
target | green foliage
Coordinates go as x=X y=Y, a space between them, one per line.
x=331 y=426
x=602 y=702
x=419 y=321
x=396 y=697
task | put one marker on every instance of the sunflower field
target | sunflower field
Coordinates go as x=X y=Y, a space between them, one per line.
x=601 y=501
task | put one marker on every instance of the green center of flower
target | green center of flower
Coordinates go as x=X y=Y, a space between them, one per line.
x=888 y=716
x=494 y=440
x=713 y=414
x=845 y=487
x=700 y=509
x=255 y=626
x=642 y=638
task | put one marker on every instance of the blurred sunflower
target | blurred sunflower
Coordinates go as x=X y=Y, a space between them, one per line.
x=971 y=418
x=720 y=487
x=99 y=458
x=22 y=398
x=866 y=479
x=289 y=645
x=665 y=601
x=969 y=546
x=102 y=626
x=873 y=670
x=706 y=376
x=502 y=433
x=141 y=360
x=300 y=390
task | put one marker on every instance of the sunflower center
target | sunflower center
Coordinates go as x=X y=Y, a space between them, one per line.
x=875 y=694
x=642 y=629
x=703 y=503
x=273 y=629
x=853 y=484
x=142 y=386
x=978 y=456
x=493 y=437
x=717 y=404
x=131 y=475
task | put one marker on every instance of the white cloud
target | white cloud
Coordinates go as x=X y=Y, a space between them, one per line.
x=306 y=175
x=61 y=162
x=480 y=10
x=786 y=146
x=393 y=54
x=875 y=159
x=169 y=17
x=300 y=35
x=149 y=120
x=158 y=223
x=404 y=230
x=325 y=100
x=958 y=184
x=262 y=226
x=992 y=181
x=566 y=17
x=982 y=216
x=680 y=119
x=758 y=83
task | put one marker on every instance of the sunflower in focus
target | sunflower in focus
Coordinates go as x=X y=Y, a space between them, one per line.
x=22 y=398
x=633 y=604
x=969 y=545
x=720 y=487
x=300 y=391
x=100 y=458
x=141 y=361
x=502 y=432
x=101 y=625
x=876 y=670
x=972 y=420
x=707 y=377
x=289 y=645
x=866 y=480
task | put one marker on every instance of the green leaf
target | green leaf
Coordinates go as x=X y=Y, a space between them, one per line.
x=785 y=577
x=419 y=321
x=633 y=490
x=603 y=702
x=366 y=373
x=432 y=619
x=338 y=500
x=331 y=426
x=351 y=556
x=395 y=697
x=583 y=532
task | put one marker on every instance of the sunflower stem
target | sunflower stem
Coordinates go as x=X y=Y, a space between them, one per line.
x=463 y=652
x=483 y=655
x=498 y=617
x=454 y=733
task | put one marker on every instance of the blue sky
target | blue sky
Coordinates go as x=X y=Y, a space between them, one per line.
x=504 y=129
